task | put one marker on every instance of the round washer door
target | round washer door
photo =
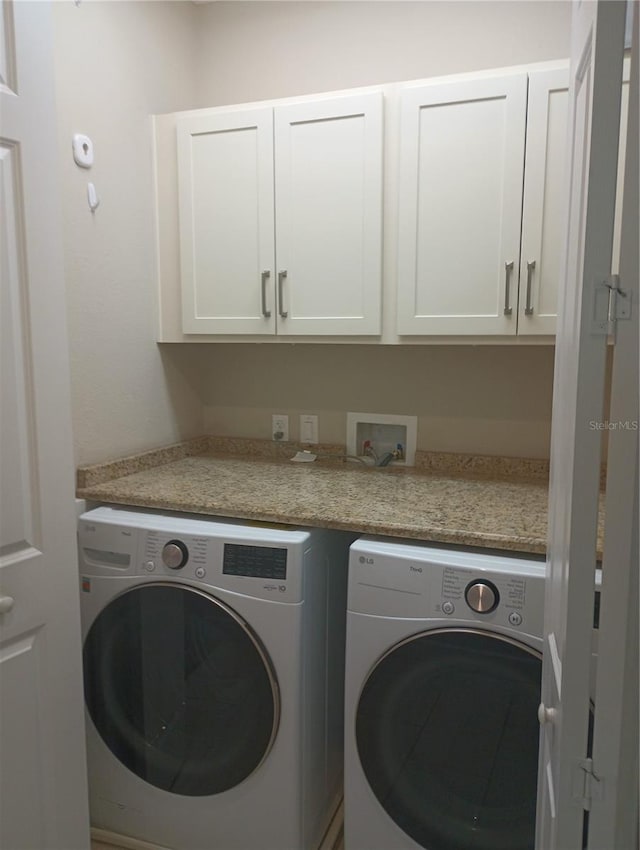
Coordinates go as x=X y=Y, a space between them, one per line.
x=447 y=735
x=180 y=689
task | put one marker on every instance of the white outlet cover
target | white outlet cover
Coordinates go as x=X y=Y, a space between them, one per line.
x=280 y=426
x=408 y=422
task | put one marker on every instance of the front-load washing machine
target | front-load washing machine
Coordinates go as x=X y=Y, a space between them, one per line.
x=442 y=690
x=214 y=670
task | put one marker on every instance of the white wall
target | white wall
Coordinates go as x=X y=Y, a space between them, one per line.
x=257 y=50
x=116 y=63
x=489 y=399
x=470 y=399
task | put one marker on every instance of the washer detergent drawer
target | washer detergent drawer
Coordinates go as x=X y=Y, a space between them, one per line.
x=105 y=550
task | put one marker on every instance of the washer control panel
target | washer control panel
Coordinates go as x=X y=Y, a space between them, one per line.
x=161 y=549
x=194 y=553
x=261 y=561
x=254 y=561
x=175 y=554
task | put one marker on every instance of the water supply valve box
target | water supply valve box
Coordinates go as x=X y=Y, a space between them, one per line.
x=372 y=436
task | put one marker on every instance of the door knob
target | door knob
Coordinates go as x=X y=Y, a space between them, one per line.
x=546 y=715
x=6 y=604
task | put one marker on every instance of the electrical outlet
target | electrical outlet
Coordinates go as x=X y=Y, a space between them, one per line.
x=280 y=427
x=308 y=428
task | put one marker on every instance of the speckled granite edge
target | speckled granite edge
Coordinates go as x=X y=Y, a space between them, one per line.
x=100 y=473
x=493 y=466
x=448 y=463
x=202 y=476
x=396 y=531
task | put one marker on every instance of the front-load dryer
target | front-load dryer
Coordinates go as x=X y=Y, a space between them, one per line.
x=442 y=690
x=214 y=670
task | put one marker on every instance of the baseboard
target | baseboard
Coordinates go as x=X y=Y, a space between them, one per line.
x=104 y=836
x=330 y=840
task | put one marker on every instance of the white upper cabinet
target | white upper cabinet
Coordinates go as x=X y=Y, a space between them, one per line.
x=225 y=178
x=314 y=268
x=272 y=226
x=545 y=184
x=543 y=215
x=460 y=201
x=329 y=215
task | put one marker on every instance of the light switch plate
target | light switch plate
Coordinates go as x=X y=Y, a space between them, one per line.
x=308 y=428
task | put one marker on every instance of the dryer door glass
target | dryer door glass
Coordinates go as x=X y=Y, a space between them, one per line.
x=180 y=689
x=447 y=734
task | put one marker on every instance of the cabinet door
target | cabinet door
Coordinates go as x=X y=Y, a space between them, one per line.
x=329 y=215
x=460 y=203
x=544 y=211
x=225 y=176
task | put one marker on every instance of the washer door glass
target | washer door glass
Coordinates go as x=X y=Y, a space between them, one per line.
x=180 y=689
x=447 y=734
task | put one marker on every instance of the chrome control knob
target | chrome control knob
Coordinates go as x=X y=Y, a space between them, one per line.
x=175 y=554
x=482 y=596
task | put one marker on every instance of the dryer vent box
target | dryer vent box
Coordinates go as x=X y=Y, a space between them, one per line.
x=371 y=435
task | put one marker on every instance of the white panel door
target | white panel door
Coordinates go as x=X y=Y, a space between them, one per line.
x=460 y=204
x=43 y=793
x=579 y=380
x=624 y=115
x=613 y=819
x=225 y=177
x=329 y=215
x=544 y=210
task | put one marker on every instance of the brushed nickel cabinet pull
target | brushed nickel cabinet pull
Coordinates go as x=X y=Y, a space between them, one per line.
x=281 y=278
x=265 y=277
x=508 y=268
x=528 y=309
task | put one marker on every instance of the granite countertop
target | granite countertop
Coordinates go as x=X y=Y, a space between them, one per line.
x=464 y=505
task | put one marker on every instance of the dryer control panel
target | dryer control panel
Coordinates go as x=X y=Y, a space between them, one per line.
x=484 y=595
x=407 y=580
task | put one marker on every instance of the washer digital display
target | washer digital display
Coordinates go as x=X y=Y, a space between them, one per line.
x=254 y=561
